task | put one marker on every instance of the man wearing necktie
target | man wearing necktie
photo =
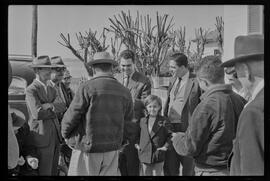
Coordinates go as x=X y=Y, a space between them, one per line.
x=140 y=87
x=56 y=82
x=44 y=126
x=182 y=97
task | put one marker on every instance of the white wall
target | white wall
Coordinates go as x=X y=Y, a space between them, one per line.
x=235 y=24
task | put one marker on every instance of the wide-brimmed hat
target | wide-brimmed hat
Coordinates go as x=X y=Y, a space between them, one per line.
x=246 y=48
x=102 y=57
x=42 y=62
x=57 y=61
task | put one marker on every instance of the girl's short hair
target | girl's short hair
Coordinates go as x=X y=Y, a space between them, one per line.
x=152 y=98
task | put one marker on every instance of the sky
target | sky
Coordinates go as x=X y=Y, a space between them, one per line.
x=56 y=19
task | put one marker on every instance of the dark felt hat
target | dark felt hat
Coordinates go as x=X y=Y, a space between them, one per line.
x=102 y=57
x=246 y=48
x=57 y=61
x=42 y=62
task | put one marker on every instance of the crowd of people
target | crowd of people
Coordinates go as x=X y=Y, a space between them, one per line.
x=114 y=126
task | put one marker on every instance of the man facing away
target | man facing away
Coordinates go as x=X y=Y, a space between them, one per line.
x=209 y=136
x=248 y=148
x=95 y=122
x=139 y=87
x=182 y=98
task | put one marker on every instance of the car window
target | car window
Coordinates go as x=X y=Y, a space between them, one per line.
x=17 y=86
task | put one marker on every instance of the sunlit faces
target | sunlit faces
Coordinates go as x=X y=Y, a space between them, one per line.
x=175 y=70
x=57 y=74
x=44 y=73
x=127 y=66
x=243 y=74
x=153 y=108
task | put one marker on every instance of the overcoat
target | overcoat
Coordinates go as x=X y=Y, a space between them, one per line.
x=248 y=148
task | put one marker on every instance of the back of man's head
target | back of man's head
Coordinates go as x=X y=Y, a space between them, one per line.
x=180 y=59
x=210 y=69
x=103 y=67
x=127 y=54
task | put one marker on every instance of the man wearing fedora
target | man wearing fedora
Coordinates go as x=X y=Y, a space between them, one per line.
x=248 y=148
x=66 y=82
x=44 y=126
x=140 y=87
x=95 y=122
x=57 y=74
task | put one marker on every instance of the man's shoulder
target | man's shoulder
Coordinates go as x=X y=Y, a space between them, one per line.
x=140 y=77
x=34 y=85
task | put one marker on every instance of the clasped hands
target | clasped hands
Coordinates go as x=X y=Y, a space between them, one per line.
x=47 y=106
x=32 y=161
x=161 y=148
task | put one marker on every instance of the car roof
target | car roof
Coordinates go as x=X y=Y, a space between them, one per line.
x=20 y=67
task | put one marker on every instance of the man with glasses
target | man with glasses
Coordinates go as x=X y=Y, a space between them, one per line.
x=57 y=73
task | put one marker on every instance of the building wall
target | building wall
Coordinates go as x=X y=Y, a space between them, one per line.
x=235 y=24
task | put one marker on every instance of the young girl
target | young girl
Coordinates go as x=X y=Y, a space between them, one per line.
x=154 y=138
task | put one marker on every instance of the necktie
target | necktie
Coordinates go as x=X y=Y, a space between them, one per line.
x=177 y=86
x=126 y=81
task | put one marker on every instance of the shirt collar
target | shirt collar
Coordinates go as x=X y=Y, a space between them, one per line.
x=185 y=77
x=220 y=87
x=44 y=85
x=257 y=89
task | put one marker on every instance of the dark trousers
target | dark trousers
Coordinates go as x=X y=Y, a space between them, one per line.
x=129 y=161
x=173 y=160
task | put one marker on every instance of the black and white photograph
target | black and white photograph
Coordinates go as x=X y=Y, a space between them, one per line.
x=135 y=90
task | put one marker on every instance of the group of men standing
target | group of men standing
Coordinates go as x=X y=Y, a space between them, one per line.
x=205 y=115
x=48 y=98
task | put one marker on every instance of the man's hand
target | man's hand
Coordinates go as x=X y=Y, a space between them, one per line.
x=163 y=148
x=178 y=135
x=33 y=162
x=21 y=161
x=137 y=147
x=47 y=106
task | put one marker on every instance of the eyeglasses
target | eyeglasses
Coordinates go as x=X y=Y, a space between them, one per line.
x=231 y=71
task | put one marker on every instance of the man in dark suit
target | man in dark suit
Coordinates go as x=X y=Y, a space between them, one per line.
x=248 y=148
x=182 y=98
x=57 y=73
x=139 y=87
x=44 y=126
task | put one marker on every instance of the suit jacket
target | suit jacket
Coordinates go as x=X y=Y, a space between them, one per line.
x=139 y=85
x=149 y=142
x=192 y=98
x=42 y=122
x=248 y=148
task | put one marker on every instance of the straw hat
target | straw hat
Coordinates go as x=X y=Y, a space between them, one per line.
x=42 y=62
x=246 y=48
x=57 y=61
x=102 y=57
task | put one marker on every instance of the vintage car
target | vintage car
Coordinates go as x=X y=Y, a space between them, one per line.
x=22 y=76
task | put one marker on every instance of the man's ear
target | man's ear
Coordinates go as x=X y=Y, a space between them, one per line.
x=247 y=72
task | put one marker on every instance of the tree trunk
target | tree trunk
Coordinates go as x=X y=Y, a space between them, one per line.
x=34 y=31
